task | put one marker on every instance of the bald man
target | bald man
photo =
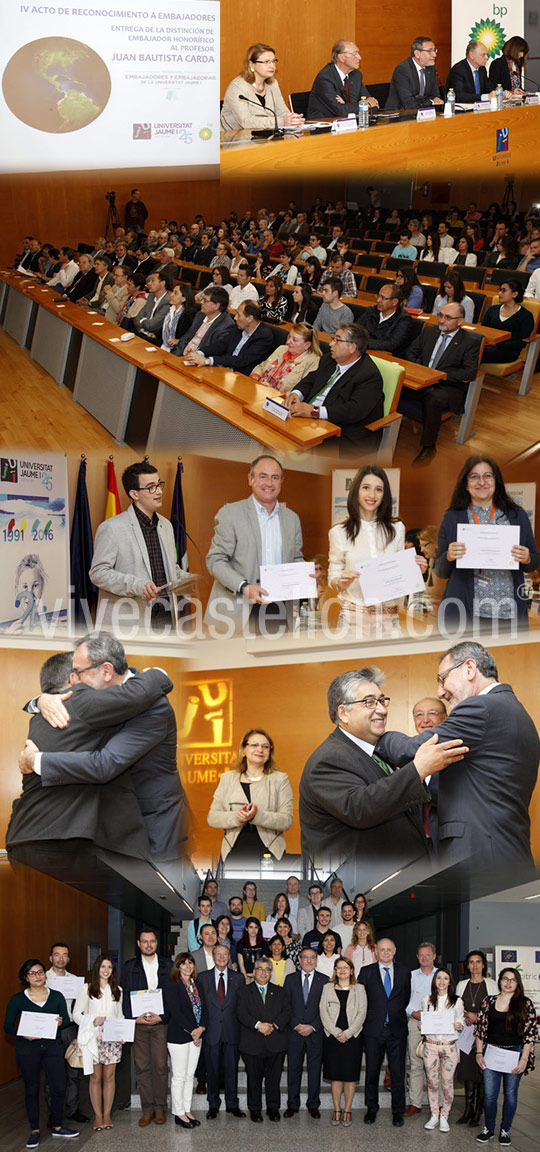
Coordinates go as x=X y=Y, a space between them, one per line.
x=338 y=87
x=388 y=989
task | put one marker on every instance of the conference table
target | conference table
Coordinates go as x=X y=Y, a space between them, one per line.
x=473 y=142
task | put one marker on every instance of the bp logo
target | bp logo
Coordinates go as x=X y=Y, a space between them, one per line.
x=205 y=134
x=490 y=34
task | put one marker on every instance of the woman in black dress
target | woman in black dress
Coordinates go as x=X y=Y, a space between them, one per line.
x=343 y=1010
x=251 y=947
x=473 y=991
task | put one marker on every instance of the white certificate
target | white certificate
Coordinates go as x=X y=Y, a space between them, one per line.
x=488 y=545
x=289 y=581
x=145 y=1001
x=437 y=1023
x=390 y=577
x=500 y=1059
x=268 y=929
x=119 y=1030
x=68 y=985
x=38 y=1024
x=465 y=1039
x=415 y=1003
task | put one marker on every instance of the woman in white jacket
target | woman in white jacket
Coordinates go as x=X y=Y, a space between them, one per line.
x=97 y=1000
x=253 y=802
x=440 y=1052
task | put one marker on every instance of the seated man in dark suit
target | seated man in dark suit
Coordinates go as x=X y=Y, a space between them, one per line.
x=303 y=990
x=219 y=988
x=388 y=324
x=338 y=87
x=264 y=1011
x=167 y=266
x=85 y=281
x=346 y=389
x=414 y=81
x=210 y=329
x=148 y=323
x=452 y=351
x=469 y=77
x=247 y=347
x=388 y=990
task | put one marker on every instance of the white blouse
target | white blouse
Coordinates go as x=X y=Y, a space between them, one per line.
x=444 y=1006
x=345 y=555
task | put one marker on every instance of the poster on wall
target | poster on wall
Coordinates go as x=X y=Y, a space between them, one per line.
x=482 y=20
x=34 y=543
x=342 y=479
x=111 y=86
x=527 y=961
x=525 y=496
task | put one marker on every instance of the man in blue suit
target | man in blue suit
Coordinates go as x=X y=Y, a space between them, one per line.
x=219 y=988
x=388 y=990
x=304 y=989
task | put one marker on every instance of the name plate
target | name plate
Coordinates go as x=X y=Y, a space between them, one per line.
x=532 y=98
x=426 y=114
x=348 y=125
x=276 y=408
x=482 y=106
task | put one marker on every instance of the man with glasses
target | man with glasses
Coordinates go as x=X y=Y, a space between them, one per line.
x=388 y=324
x=135 y=556
x=414 y=82
x=263 y=1010
x=338 y=87
x=351 y=802
x=483 y=806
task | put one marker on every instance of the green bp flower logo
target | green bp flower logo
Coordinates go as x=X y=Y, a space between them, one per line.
x=205 y=133
x=490 y=34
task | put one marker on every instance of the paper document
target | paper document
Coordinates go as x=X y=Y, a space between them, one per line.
x=146 y=1001
x=488 y=545
x=38 y=1024
x=500 y=1059
x=437 y=1023
x=465 y=1039
x=390 y=577
x=119 y=1030
x=289 y=581
x=68 y=985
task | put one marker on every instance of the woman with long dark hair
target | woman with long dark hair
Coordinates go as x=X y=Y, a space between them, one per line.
x=465 y=252
x=510 y=316
x=253 y=802
x=480 y=497
x=432 y=250
x=440 y=1051
x=508 y=1022
x=251 y=947
x=97 y=1000
x=275 y=303
x=452 y=291
x=304 y=309
x=473 y=991
x=370 y=530
x=186 y=1015
x=507 y=69
x=312 y=272
x=293 y=946
x=411 y=288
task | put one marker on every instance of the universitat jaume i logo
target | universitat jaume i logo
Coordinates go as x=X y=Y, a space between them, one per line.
x=490 y=34
x=205 y=134
x=502 y=140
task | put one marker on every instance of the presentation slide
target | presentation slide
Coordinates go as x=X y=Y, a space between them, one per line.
x=112 y=86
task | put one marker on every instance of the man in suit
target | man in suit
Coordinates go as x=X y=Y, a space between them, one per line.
x=167 y=266
x=388 y=990
x=210 y=328
x=264 y=1011
x=135 y=556
x=469 y=77
x=297 y=903
x=452 y=351
x=338 y=87
x=352 y=803
x=30 y=259
x=204 y=956
x=147 y=747
x=85 y=281
x=247 y=346
x=115 y=294
x=483 y=805
x=148 y=323
x=414 y=81
x=304 y=989
x=145 y=263
x=307 y=917
x=346 y=389
x=148 y=972
x=96 y=297
x=249 y=533
x=123 y=258
x=388 y=324
x=219 y=990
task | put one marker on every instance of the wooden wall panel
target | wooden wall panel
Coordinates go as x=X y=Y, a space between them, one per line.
x=34 y=912
x=385 y=30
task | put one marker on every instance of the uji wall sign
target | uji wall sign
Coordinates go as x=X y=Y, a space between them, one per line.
x=206 y=741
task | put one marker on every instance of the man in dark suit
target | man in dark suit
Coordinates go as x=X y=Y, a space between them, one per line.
x=469 y=77
x=30 y=259
x=483 y=804
x=147 y=747
x=388 y=990
x=123 y=258
x=249 y=344
x=388 y=324
x=145 y=261
x=414 y=81
x=264 y=1011
x=210 y=328
x=338 y=87
x=219 y=989
x=450 y=350
x=346 y=389
x=304 y=989
x=352 y=803
x=85 y=281
x=148 y=972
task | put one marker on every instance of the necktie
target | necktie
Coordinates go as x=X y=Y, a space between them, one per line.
x=328 y=385
x=306 y=989
x=422 y=81
x=477 y=82
x=347 y=90
x=262 y=990
x=382 y=764
x=221 y=989
x=439 y=350
x=387 y=988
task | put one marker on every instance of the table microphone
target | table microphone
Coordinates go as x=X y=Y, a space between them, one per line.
x=276 y=133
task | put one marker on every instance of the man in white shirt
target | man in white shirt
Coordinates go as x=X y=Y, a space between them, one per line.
x=307 y=915
x=421 y=980
x=59 y=958
x=346 y=924
x=243 y=289
x=532 y=291
x=335 y=901
x=314 y=248
x=148 y=972
x=296 y=902
x=67 y=273
x=447 y=241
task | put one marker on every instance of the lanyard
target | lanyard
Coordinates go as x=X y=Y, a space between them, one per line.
x=475 y=517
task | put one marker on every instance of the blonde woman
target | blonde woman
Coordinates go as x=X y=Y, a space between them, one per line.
x=253 y=99
x=342 y=1010
x=288 y=364
x=361 y=950
x=253 y=802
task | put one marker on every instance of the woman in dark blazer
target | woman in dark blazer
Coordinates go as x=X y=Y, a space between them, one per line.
x=186 y=1018
x=481 y=498
x=507 y=69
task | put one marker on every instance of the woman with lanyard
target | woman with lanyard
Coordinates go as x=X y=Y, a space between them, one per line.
x=186 y=1023
x=506 y=1027
x=473 y=991
x=485 y=594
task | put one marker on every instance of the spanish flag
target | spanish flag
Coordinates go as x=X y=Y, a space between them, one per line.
x=113 y=500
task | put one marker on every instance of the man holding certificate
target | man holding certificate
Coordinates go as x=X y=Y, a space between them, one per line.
x=142 y=982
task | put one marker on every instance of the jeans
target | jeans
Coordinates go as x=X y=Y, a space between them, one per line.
x=31 y=1059
x=492 y=1085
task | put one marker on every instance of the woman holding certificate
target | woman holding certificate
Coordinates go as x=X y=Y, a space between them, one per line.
x=97 y=1000
x=483 y=591
x=505 y=1035
x=440 y=1052
x=34 y=1049
x=369 y=531
x=187 y=1022
x=253 y=802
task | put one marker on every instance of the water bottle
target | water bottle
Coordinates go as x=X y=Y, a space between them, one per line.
x=363 y=113
x=500 y=96
x=451 y=100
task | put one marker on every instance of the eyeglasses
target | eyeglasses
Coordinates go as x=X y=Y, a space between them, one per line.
x=340 y=340
x=441 y=676
x=153 y=488
x=350 y=53
x=261 y=747
x=79 y=671
x=36 y=972
x=429 y=51
x=478 y=477
x=370 y=701
x=274 y=60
